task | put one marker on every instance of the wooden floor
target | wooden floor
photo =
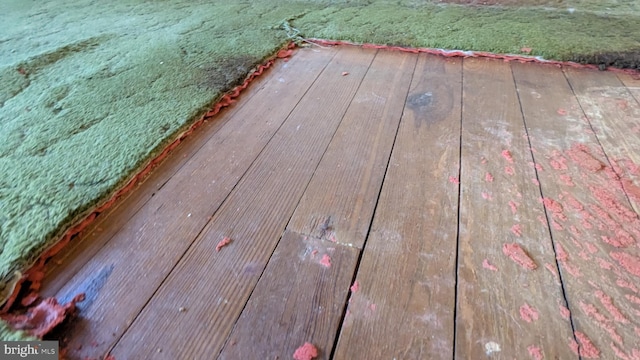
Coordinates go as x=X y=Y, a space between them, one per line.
x=380 y=205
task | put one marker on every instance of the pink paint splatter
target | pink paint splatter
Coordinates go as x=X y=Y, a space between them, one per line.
x=581 y=155
x=305 y=352
x=629 y=262
x=509 y=170
x=535 y=182
x=562 y=254
x=487 y=196
x=573 y=202
x=564 y=312
x=626 y=284
x=559 y=163
x=574 y=346
x=587 y=349
x=514 y=206
x=487 y=265
x=634 y=299
x=556 y=225
x=571 y=269
x=314 y=253
x=506 y=154
x=454 y=180
x=224 y=242
x=488 y=177
x=604 y=264
x=373 y=307
x=607 y=302
x=553 y=270
x=528 y=313
x=619 y=353
x=562 y=112
x=535 y=352
x=566 y=179
x=325 y=261
x=355 y=287
x=602 y=321
x=552 y=205
x=591 y=248
x=538 y=167
x=516 y=230
x=519 y=256
x=607 y=200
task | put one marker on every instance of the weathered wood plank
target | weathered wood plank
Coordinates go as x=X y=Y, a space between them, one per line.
x=213 y=286
x=615 y=117
x=352 y=168
x=632 y=82
x=67 y=263
x=121 y=277
x=404 y=305
x=596 y=225
x=297 y=300
x=339 y=203
x=507 y=303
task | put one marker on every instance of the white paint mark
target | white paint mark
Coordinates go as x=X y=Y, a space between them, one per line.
x=491 y=347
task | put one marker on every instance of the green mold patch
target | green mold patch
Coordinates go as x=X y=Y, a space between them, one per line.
x=92 y=91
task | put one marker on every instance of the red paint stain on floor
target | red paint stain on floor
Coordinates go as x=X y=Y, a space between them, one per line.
x=506 y=154
x=516 y=230
x=535 y=352
x=488 y=177
x=528 y=313
x=454 y=180
x=224 y=242
x=487 y=196
x=519 y=256
x=592 y=312
x=305 y=352
x=553 y=270
x=564 y=312
x=587 y=349
x=581 y=155
x=487 y=265
x=628 y=262
x=355 y=287
x=552 y=205
x=325 y=261
x=509 y=170
x=566 y=179
x=626 y=284
x=514 y=207
x=607 y=302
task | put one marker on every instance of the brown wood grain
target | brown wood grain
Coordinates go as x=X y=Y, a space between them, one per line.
x=345 y=187
x=339 y=202
x=404 y=305
x=213 y=286
x=615 y=117
x=504 y=308
x=121 y=277
x=297 y=300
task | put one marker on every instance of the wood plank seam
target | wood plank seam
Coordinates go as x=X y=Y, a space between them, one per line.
x=547 y=215
x=373 y=216
x=457 y=260
x=599 y=143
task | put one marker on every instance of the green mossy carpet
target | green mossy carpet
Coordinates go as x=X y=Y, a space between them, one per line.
x=92 y=90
